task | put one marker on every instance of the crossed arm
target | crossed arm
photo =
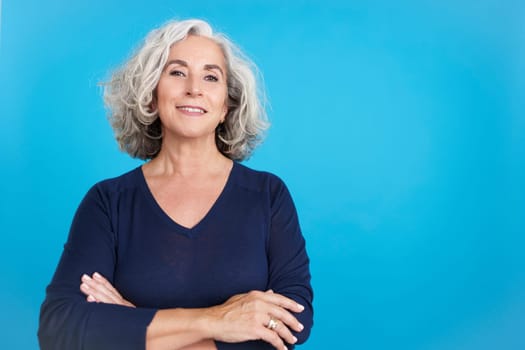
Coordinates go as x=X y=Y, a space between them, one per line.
x=241 y=318
x=107 y=321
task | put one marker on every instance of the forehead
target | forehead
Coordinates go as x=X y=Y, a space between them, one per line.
x=198 y=49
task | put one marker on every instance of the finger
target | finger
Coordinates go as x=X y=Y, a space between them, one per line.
x=99 y=278
x=285 y=333
x=287 y=318
x=272 y=338
x=92 y=294
x=276 y=304
x=283 y=301
x=99 y=291
x=102 y=290
x=84 y=288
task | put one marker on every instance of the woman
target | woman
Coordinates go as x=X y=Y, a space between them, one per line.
x=192 y=250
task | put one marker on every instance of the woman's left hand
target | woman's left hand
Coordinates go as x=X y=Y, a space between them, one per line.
x=98 y=289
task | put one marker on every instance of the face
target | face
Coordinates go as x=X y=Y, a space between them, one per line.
x=192 y=92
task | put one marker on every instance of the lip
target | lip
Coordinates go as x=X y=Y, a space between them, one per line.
x=190 y=110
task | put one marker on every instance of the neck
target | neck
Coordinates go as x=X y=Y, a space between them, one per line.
x=188 y=158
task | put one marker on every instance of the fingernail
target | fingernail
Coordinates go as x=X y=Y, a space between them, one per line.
x=85 y=277
x=90 y=298
x=294 y=340
x=301 y=308
x=97 y=275
x=301 y=327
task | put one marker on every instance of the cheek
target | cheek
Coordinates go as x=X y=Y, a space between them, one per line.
x=166 y=90
x=225 y=107
x=161 y=94
x=224 y=101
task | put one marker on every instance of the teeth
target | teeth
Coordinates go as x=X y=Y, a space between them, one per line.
x=192 y=110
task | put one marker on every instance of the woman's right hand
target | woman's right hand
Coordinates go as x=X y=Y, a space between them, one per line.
x=98 y=289
x=248 y=316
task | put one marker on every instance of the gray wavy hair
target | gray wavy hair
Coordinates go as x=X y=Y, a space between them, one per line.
x=129 y=94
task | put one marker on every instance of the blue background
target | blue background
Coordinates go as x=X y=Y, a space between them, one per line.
x=399 y=127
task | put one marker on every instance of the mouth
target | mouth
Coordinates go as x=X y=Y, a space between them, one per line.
x=192 y=110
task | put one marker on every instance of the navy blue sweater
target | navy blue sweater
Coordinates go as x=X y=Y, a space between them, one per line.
x=249 y=240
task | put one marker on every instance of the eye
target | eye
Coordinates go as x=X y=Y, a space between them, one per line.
x=177 y=73
x=211 y=77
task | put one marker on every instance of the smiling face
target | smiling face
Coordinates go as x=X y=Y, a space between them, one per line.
x=191 y=95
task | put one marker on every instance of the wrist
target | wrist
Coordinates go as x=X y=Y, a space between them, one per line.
x=206 y=322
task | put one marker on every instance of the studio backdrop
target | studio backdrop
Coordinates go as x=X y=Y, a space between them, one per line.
x=399 y=127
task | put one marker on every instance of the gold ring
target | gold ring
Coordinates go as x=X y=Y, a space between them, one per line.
x=272 y=324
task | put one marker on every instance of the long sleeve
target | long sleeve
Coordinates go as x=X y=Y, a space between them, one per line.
x=67 y=320
x=288 y=263
x=289 y=272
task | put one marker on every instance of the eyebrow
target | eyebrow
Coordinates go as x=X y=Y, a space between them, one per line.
x=185 y=64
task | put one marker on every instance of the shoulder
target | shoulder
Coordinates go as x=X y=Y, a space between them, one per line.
x=107 y=195
x=126 y=182
x=268 y=186
x=257 y=180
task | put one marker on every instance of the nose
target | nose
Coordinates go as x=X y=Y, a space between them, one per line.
x=193 y=87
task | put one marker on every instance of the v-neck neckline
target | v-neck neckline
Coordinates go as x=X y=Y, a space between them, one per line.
x=188 y=231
